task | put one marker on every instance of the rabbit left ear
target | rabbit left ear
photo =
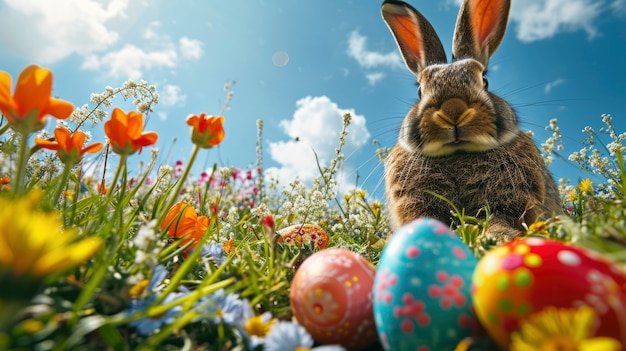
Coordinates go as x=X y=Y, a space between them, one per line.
x=480 y=28
x=418 y=42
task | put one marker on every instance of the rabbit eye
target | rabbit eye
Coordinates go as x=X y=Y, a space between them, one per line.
x=419 y=91
x=485 y=83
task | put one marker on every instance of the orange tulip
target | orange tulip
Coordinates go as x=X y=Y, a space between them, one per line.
x=29 y=105
x=68 y=147
x=125 y=132
x=182 y=222
x=207 y=132
x=102 y=188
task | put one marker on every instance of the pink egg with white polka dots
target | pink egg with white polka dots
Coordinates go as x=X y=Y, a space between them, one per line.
x=522 y=277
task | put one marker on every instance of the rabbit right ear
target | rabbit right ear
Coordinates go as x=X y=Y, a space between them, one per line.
x=418 y=41
x=480 y=28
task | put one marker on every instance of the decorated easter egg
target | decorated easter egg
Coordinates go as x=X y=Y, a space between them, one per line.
x=303 y=234
x=422 y=289
x=331 y=297
x=515 y=280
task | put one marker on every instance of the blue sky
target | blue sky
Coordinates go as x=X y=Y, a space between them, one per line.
x=563 y=59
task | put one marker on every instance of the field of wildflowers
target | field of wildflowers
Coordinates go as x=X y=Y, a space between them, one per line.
x=164 y=259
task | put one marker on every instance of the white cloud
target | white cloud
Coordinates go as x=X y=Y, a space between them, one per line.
x=619 y=7
x=375 y=77
x=542 y=19
x=368 y=60
x=548 y=88
x=50 y=31
x=316 y=125
x=130 y=61
x=371 y=59
x=190 y=48
x=451 y=4
x=171 y=95
x=162 y=115
x=149 y=32
x=60 y=28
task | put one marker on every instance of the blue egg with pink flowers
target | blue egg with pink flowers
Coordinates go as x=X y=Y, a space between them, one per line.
x=422 y=297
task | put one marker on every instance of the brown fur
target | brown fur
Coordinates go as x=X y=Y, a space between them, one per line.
x=505 y=179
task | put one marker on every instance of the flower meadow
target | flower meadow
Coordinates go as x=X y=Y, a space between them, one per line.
x=165 y=259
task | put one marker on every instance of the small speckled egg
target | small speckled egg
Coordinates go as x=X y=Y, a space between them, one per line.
x=522 y=277
x=303 y=234
x=422 y=289
x=331 y=297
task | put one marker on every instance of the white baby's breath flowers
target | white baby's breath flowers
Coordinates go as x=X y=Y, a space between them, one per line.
x=227 y=172
x=43 y=134
x=286 y=207
x=88 y=136
x=260 y=211
x=145 y=97
x=554 y=142
x=165 y=170
x=233 y=216
x=61 y=123
x=147 y=244
x=597 y=154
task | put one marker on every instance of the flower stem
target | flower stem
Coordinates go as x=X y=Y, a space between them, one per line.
x=180 y=183
x=21 y=164
x=121 y=165
x=4 y=128
x=64 y=177
x=9 y=309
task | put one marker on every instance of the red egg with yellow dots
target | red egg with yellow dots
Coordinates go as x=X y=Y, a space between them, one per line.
x=515 y=280
x=331 y=297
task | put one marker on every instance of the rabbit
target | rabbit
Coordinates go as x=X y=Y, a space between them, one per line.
x=461 y=141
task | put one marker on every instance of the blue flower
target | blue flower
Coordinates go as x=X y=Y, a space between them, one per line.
x=231 y=310
x=215 y=252
x=148 y=325
x=224 y=308
x=159 y=273
x=287 y=336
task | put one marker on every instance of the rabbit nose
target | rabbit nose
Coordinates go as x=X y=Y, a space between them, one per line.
x=454 y=111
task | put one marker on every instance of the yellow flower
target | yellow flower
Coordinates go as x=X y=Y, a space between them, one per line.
x=562 y=329
x=376 y=208
x=259 y=325
x=539 y=227
x=33 y=244
x=572 y=196
x=32 y=326
x=585 y=186
x=138 y=288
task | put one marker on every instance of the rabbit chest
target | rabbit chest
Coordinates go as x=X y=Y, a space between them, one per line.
x=507 y=179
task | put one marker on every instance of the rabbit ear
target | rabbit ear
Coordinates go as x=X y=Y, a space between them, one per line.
x=480 y=28
x=418 y=41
